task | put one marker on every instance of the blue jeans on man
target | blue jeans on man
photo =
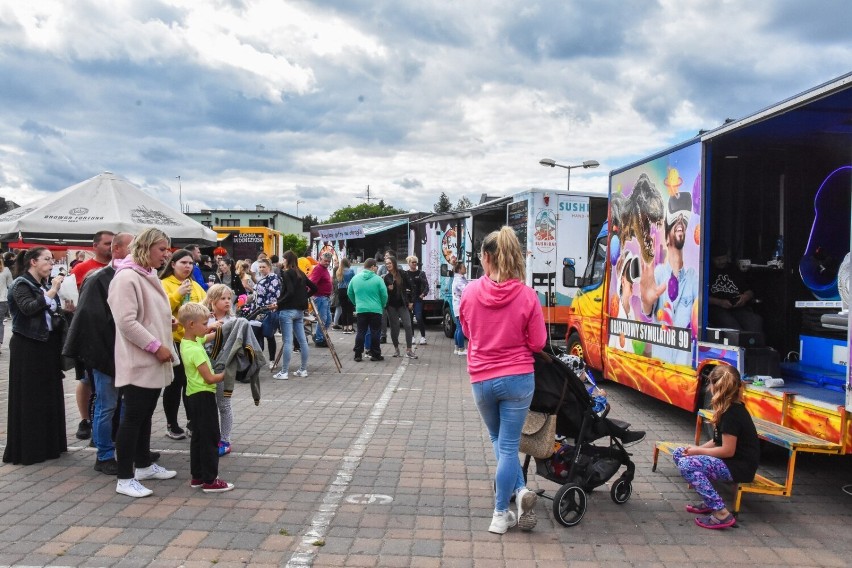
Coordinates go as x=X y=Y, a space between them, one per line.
x=323 y=312
x=106 y=402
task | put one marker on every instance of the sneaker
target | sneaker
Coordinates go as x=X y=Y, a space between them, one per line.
x=300 y=373
x=107 y=467
x=462 y=352
x=271 y=365
x=631 y=437
x=396 y=352
x=175 y=432
x=699 y=509
x=423 y=342
x=154 y=471
x=310 y=319
x=217 y=486
x=224 y=448
x=358 y=358
x=132 y=488
x=84 y=431
x=712 y=522
x=501 y=522
x=410 y=354
x=526 y=500
x=195 y=483
x=281 y=376
x=337 y=327
x=455 y=350
x=320 y=344
x=376 y=358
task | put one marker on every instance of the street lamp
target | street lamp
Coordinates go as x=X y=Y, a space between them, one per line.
x=297 y=206
x=552 y=164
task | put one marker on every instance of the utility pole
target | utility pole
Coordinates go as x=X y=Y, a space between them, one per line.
x=368 y=197
x=180 y=194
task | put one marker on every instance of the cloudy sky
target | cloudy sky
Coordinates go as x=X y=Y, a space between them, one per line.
x=278 y=101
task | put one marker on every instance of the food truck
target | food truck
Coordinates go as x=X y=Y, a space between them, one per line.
x=773 y=189
x=554 y=228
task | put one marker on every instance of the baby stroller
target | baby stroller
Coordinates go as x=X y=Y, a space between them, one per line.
x=578 y=465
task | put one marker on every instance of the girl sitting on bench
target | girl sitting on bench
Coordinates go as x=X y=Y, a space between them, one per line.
x=732 y=455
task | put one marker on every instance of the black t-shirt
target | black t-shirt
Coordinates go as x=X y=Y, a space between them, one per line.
x=729 y=283
x=400 y=295
x=736 y=421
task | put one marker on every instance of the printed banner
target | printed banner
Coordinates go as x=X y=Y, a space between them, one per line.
x=342 y=233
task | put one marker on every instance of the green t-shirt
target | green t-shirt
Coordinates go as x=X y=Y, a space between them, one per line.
x=193 y=355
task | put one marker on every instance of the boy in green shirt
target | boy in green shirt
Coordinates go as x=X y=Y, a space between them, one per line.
x=201 y=398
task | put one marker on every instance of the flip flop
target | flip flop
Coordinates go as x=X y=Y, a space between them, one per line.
x=711 y=522
x=698 y=509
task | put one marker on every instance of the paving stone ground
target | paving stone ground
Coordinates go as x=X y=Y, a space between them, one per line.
x=388 y=464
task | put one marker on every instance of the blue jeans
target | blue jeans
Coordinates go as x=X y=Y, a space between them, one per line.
x=323 y=313
x=459 y=337
x=418 y=313
x=503 y=404
x=105 y=404
x=293 y=320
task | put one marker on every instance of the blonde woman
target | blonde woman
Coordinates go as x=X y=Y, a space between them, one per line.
x=220 y=303
x=501 y=316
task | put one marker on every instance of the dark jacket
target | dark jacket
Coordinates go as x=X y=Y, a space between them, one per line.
x=400 y=296
x=27 y=306
x=296 y=288
x=418 y=283
x=236 y=284
x=91 y=336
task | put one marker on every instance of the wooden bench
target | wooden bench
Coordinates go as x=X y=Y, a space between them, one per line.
x=788 y=438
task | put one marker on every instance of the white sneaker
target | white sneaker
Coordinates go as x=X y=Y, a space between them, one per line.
x=501 y=522
x=300 y=373
x=422 y=341
x=462 y=352
x=455 y=350
x=154 y=471
x=526 y=501
x=271 y=365
x=281 y=376
x=132 y=488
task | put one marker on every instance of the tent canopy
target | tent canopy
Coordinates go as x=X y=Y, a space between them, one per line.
x=106 y=202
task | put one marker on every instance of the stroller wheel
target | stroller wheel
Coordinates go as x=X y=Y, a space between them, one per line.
x=569 y=505
x=621 y=491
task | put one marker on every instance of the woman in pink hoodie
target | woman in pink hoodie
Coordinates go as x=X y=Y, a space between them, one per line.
x=502 y=318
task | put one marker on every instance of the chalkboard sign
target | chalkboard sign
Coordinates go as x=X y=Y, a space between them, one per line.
x=518 y=216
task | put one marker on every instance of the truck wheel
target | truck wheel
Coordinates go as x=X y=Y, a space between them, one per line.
x=575 y=346
x=449 y=323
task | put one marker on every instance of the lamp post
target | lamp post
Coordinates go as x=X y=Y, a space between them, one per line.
x=180 y=194
x=552 y=164
x=297 y=206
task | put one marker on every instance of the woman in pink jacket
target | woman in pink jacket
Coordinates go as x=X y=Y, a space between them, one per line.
x=143 y=356
x=502 y=318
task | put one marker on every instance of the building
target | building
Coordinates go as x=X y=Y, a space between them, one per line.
x=260 y=216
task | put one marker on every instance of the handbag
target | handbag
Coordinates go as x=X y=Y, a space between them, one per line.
x=539 y=431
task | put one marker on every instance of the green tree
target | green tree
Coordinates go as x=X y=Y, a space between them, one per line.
x=362 y=211
x=296 y=243
x=463 y=203
x=443 y=205
x=309 y=221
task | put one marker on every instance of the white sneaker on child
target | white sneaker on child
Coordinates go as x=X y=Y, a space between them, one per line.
x=501 y=522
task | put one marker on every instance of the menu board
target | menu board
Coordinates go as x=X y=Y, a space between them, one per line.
x=518 y=216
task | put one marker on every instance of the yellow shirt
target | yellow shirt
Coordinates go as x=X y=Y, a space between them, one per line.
x=176 y=299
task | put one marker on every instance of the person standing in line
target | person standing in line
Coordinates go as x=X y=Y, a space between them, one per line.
x=226 y=275
x=201 y=381
x=102 y=246
x=368 y=293
x=5 y=283
x=91 y=339
x=79 y=257
x=322 y=278
x=398 y=306
x=345 y=272
x=143 y=357
x=266 y=291
x=502 y=318
x=197 y=273
x=180 y=289
x=35 y=427
x=459 y=284
x=419 y=288
x=732 y=455
x=254 y=268
x=296 y=288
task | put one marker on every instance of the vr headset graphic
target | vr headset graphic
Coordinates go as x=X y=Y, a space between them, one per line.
x=679 y=208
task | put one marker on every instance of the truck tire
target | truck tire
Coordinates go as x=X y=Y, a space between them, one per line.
x=574 y=345
x=448 y=323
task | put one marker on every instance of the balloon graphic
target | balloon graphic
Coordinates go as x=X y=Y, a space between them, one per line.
x=621 y=340
x=613 y=305
x=694 y=320
x=638 y=346
x=674 y=287
x=614 y=249
x=241 y=300
x=696 y=195
x=697 y=235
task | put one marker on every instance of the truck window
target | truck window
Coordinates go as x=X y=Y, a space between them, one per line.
x=595 y=269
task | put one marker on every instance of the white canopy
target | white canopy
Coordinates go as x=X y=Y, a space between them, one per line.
x=106 y=202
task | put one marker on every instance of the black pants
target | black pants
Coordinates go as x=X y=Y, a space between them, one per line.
x=374 y=322
x=174 y=392
x=133 y=440
x=260 y=332
x=204 y=445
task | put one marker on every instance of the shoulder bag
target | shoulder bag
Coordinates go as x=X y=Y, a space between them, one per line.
x=539 y=432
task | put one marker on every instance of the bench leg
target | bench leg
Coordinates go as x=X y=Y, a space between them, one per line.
x=738 y=499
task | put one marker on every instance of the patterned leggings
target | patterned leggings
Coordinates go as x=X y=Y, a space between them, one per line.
x=226 y=417
x=699 y=471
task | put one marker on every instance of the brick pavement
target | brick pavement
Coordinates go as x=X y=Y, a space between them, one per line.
x=387 y=464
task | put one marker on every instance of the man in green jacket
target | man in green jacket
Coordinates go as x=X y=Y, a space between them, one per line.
x=370 y=296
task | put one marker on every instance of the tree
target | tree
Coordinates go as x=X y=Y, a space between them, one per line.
x=309 y=221
x=296 y=243
x=463 y=203
x=362 y=211
x=443 y=205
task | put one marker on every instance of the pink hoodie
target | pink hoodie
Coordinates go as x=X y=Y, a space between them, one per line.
x=505 y=327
